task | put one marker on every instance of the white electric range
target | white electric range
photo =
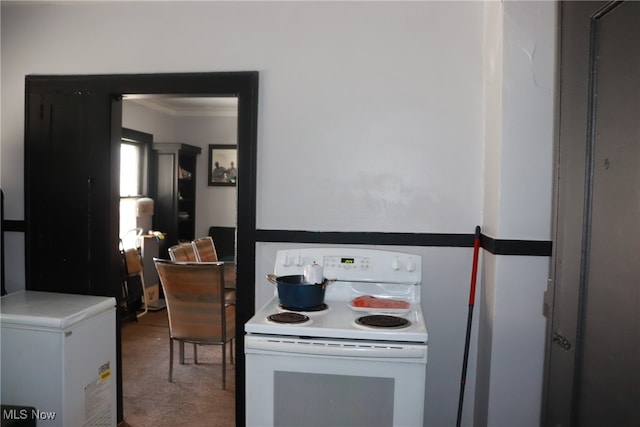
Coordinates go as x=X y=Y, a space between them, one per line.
x=353 y=373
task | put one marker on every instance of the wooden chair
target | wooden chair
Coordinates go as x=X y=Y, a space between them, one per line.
x=196 y=307
x=183 y=252
x=205 y=249
x=186 y=252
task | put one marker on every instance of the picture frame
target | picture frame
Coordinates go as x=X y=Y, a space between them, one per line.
x=223 y=165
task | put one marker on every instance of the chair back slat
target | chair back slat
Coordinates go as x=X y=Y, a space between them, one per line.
x=205 y=249
x=183 y=252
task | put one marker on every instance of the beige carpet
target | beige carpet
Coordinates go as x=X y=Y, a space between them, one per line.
x=194 y=398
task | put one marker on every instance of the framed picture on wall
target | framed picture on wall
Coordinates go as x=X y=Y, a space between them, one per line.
x=223 y=165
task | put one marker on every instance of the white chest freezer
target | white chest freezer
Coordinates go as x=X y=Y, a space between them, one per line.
x=58 y=355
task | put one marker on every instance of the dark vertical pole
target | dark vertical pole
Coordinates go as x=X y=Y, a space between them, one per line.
x=472 y=297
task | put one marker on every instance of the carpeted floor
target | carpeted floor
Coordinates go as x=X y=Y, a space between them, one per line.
x=194 y=398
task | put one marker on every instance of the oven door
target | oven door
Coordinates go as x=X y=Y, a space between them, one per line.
x=299 y=382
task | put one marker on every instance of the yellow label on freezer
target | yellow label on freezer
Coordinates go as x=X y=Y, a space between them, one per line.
x=105 y=371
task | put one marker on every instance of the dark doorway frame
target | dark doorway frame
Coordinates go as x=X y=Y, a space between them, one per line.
x=243 y=85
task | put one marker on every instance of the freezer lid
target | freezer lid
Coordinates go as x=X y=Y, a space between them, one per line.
x=50 y=309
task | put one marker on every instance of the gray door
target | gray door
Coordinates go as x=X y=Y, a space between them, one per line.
x=593 y=357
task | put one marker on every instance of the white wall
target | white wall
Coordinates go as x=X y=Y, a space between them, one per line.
x=519 y=130
x=215 y=206
x=380 y=114
x=159 y=124
x=376 y=108
x=380 y=109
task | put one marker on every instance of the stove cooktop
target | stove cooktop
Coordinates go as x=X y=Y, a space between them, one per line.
x=357 y=272
x=338 y=321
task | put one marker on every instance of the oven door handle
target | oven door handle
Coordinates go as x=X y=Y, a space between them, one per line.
x=338 y=349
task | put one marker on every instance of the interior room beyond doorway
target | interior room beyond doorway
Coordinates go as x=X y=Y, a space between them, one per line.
x=149 y=120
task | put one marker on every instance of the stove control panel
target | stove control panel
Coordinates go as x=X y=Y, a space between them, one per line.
x=353 y=264
x=346 y=263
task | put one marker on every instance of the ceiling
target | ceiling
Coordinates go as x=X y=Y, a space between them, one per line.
x=182 y=105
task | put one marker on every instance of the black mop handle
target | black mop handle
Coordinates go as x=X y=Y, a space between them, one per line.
x=472 y=297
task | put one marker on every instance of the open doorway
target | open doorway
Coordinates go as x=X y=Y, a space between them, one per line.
x=76 y=120
x=198 y=209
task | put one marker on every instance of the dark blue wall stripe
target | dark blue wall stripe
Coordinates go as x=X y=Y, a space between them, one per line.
x=11 y=225
x=495 y=246
x=365 y=238
x=516 y=247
